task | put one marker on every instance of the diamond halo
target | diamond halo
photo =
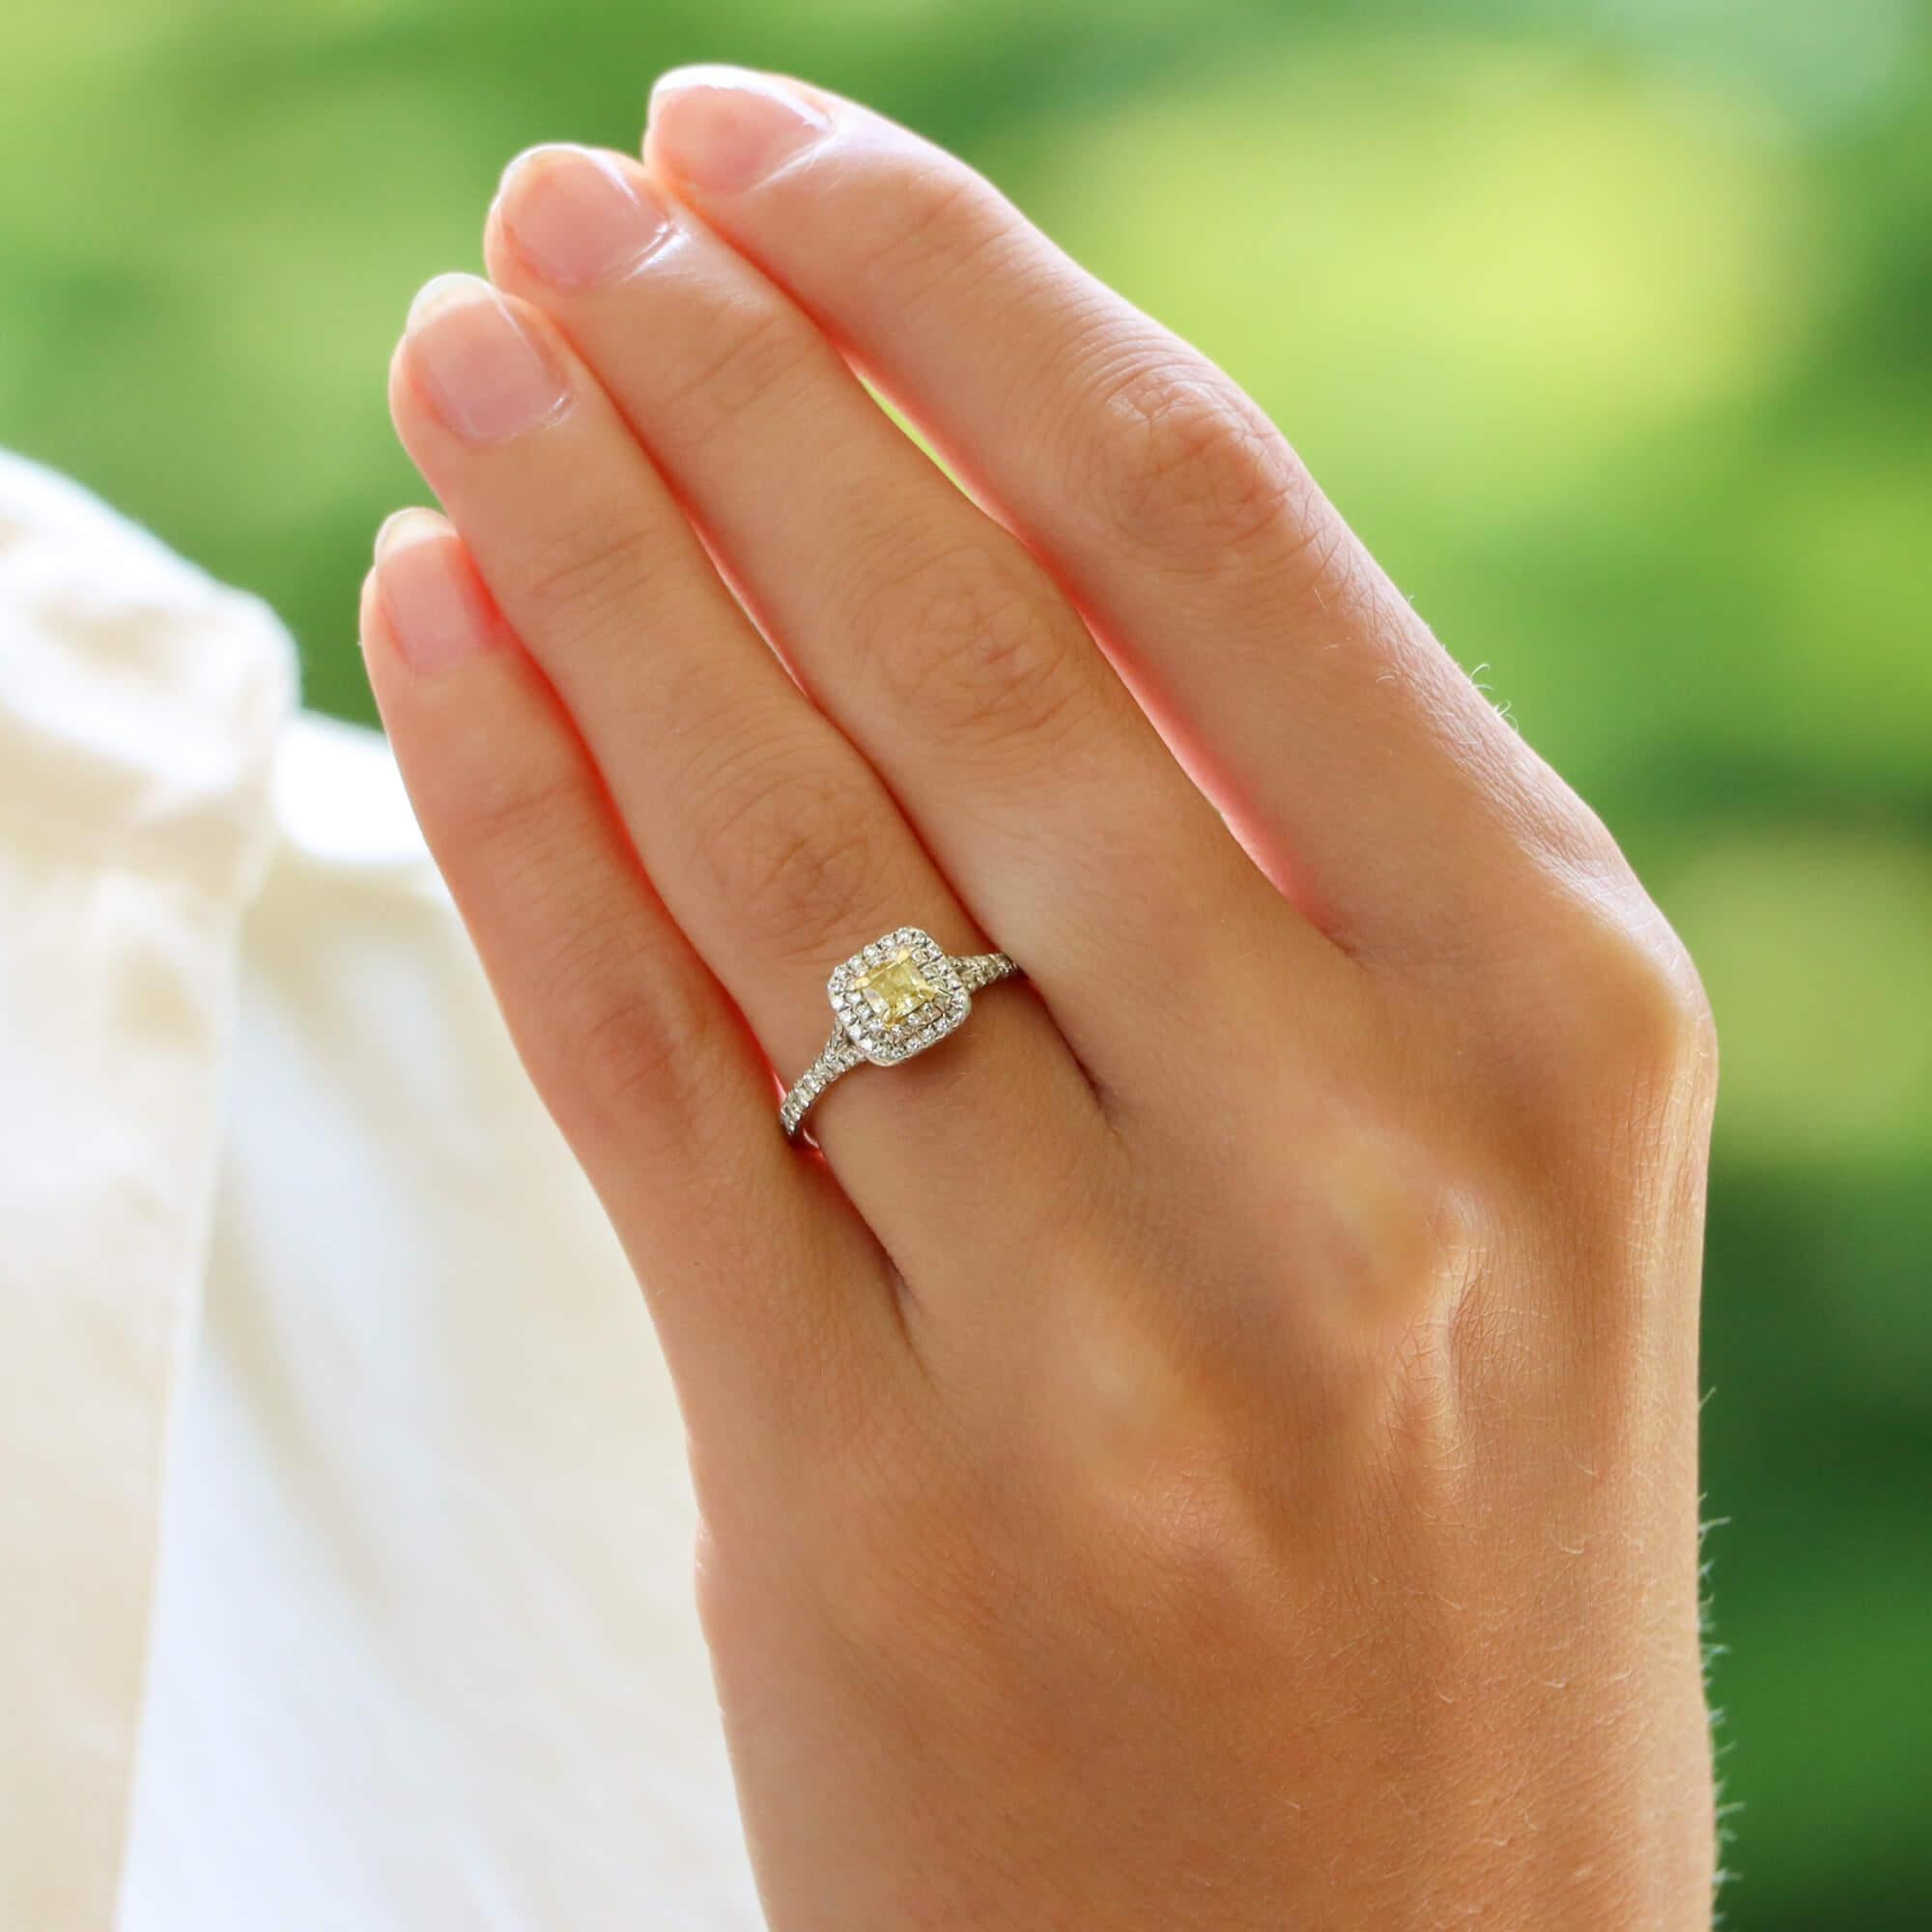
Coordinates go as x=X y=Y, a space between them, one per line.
x=890 y=1001
x=898 y=996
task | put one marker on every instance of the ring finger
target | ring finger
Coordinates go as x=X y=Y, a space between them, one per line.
x=923 y=628
x=769 y=841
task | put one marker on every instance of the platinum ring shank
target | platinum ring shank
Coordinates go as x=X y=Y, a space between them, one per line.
x=841 y=1055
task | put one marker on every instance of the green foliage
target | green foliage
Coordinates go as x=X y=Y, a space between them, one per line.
x=1606 y=322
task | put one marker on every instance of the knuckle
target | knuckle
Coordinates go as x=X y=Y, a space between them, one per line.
x=944 y=218
x=1392 y=1231
x=1189 y=466
x=1193 y=1531
x=1614 y=1039
x=969 y=642
x=585 y=577
x=1375 y=1225
x=752 y=348
x=632 y=1066
x=1645 y=1022
x=1154 y=1462
x=1662 y=1014
x=609 y=1044
x=1159 y=1498
x=610 y=1052
x=785 y=841
x=495 y=815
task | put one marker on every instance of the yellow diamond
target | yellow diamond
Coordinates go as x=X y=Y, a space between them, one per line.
x=895 y=987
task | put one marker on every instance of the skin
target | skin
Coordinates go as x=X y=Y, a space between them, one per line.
x=1215 y=1443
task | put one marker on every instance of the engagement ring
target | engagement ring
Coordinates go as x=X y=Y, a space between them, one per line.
x=900 y=995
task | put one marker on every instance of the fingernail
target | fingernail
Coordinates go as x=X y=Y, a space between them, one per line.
x=435 y=606
x=578 y=217
x=724 y=128
x=481 y=370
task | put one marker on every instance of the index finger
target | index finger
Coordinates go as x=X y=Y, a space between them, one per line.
x=1373 y=778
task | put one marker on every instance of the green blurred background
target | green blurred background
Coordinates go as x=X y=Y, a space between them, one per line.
x=1610 y=327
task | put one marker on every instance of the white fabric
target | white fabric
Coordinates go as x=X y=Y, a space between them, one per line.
x=344 y=1526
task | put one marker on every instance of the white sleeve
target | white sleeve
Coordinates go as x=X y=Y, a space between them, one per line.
x=139 y=706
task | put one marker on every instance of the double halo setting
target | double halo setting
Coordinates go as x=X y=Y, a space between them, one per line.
x=890 y=1001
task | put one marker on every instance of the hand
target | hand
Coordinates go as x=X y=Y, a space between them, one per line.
x=1215 y=1443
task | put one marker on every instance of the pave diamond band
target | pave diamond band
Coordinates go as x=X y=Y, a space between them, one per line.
x=897 y=997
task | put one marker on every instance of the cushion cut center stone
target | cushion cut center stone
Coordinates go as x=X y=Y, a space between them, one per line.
x=896 y=988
